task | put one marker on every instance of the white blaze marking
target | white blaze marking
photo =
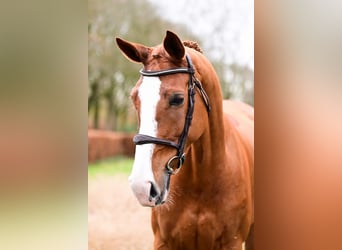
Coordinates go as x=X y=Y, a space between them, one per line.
x=142 y=168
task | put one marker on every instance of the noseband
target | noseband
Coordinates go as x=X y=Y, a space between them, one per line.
x=141 y=139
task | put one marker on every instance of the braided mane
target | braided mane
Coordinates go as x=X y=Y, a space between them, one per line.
x=192 y=45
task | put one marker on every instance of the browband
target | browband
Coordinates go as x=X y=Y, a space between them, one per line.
x=167 y=72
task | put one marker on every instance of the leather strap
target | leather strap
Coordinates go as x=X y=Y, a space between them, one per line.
x=140 y=139
x=166 y=72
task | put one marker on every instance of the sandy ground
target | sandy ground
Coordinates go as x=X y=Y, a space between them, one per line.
x=116 y=221
x=115 y=218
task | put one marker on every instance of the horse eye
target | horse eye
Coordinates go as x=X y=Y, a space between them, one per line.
x=176 y=100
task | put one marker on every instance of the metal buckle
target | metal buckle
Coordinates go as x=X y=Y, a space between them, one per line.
x=172 y=170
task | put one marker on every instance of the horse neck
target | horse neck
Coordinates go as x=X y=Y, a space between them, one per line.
x=210 y=148
x=208 y=152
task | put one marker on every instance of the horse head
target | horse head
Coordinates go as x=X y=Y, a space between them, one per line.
x=163 y=98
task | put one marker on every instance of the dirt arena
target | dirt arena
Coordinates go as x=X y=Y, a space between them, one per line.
x=115 y=218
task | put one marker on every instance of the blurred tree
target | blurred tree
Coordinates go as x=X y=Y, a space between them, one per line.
x=237 y=81
x=227 y=31
x=110 y=75
x=242 y=83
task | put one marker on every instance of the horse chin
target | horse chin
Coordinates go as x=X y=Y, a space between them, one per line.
x=156 y=201
x=161 y=199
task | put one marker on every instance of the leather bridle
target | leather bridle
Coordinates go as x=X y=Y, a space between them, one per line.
x=141 y=139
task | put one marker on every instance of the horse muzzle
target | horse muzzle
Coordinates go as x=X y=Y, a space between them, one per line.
x=147 y=193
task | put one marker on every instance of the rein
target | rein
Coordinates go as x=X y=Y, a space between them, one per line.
x=141 y=139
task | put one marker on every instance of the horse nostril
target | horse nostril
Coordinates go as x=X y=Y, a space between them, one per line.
x=153 y=191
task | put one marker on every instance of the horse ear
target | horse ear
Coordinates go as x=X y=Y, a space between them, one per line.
x=173 y=45
x=133 y=51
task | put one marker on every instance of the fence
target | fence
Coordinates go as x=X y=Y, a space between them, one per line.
x=103 y=144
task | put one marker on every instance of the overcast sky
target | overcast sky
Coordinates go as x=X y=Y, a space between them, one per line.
x=225 y=26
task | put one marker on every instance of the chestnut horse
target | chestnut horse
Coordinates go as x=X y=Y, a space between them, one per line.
x=208 y=203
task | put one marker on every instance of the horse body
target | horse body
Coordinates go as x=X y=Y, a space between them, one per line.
x=212 y=197
x=210 y=201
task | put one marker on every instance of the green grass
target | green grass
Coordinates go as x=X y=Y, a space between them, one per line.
x=111 y=166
